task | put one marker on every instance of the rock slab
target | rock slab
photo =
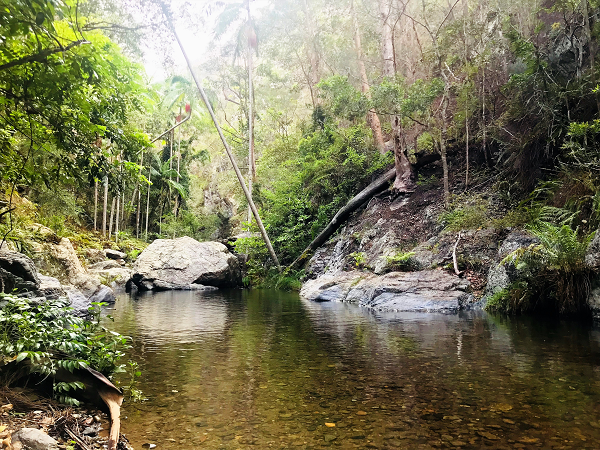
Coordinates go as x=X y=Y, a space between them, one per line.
x=33 y=439
x=178 y=263
x=423 y=291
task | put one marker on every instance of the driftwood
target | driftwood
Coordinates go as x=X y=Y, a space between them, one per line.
x=454 y=259
x=343 y=214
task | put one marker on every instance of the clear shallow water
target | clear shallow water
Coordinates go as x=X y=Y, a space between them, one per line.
x=265 y=369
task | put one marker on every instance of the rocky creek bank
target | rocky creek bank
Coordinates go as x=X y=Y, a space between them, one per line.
x=394 y=254
x=55 y=270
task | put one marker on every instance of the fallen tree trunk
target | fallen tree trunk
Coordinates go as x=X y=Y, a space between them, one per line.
x=343 y=214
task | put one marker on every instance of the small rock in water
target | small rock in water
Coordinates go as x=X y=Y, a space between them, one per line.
x=147 y=445
x=330 y=437
x=89 y=431
x=329 y=424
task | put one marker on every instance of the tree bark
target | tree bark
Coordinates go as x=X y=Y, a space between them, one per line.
x=343 y=214
x=311 y=44
x=95 y=205
x=372 y=117
x=404 y=181
x=118 y=197
x=443 y=137
x=251 y=157
x=148 y=199
x=105 y=206
x=112 y=215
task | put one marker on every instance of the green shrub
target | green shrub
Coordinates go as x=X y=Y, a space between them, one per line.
x=52 y=338
x=554 y=269
x=514 y=299
x=403 y=262
x=359 y=259
x=466 y=217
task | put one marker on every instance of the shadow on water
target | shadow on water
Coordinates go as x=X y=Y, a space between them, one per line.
x=259 y=369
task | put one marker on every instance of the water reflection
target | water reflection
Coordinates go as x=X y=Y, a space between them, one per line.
x=259 y=369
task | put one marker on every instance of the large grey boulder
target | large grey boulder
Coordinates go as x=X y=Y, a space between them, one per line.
x=17 y=272
x=424 y=291
x=32 y=439
x=178 y=263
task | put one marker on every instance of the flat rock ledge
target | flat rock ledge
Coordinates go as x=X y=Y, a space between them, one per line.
x=424 y=291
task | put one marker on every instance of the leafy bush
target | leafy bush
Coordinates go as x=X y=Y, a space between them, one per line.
x=514 y=299
x=554 y=270
x=359 y=259
x=403 y=262
x=52 y=338
x=465 y=217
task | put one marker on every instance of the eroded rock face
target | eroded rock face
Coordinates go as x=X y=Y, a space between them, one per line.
x=424 y=291
x=17 y=272
x=179 y=263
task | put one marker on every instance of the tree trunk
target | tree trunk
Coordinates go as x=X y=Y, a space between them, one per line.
x=239 y=175
x=372 y=117
x=118 y=197
x=311 y=44
x=112 y=215
x=251 y=157
x=465 y=16
x=148 y=200
x=105 y=206
x=443 y=137
x=95 y=205
x=404 y=181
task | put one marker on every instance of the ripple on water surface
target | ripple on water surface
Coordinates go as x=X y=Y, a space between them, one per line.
x=265 y=369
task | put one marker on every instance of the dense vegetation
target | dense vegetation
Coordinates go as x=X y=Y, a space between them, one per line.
x=316 y=99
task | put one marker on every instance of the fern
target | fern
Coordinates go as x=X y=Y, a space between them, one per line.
x=555 y=267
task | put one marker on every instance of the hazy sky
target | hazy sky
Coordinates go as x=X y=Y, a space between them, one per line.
x=197 y=39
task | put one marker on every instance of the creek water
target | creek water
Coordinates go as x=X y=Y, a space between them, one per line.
x=265 y=369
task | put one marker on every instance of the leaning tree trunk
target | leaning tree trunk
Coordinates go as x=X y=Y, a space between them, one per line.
x=342 y=215
x=404 y=181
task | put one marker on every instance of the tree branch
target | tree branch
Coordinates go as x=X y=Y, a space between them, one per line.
x=40 y=57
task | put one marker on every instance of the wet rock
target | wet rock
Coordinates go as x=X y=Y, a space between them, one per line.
x=501 y=276
x=114 y=254
x=33 y=439
x=116 y=277
x=50 y=288
x=79 y=302
x=17 y=272
x=424 y=291
x=94 y=255
x=105 y=265
x=104 y=294
x=174 y=263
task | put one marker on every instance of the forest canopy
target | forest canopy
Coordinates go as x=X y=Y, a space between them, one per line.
x=316 y=98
